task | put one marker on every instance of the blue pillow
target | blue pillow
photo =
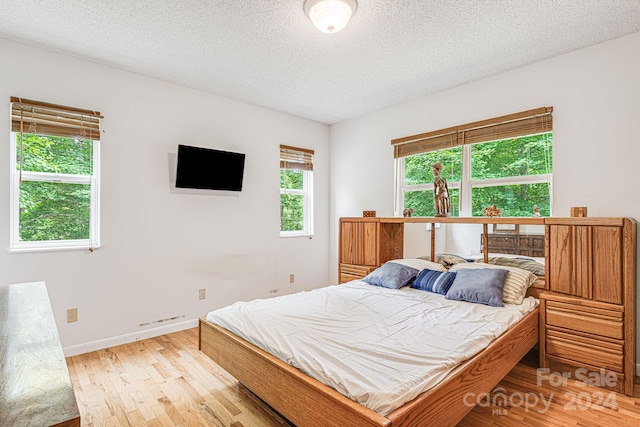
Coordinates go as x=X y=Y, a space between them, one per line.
x=437 y=282
x=391 y=275
x=479 y=285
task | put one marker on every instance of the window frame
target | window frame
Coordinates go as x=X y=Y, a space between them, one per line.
x=516 y=125
x=466 y=184
x=93 y=242
x=307 y=204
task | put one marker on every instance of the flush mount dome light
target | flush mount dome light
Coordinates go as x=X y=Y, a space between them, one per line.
x=330 y=16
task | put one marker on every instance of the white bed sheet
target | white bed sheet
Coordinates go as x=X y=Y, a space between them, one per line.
x=380 y=347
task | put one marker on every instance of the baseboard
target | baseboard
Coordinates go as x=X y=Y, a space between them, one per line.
x=74 y=350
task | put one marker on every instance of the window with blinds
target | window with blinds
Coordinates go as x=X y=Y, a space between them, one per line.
x=506 y=161
x=55 y=179
x=296 y=191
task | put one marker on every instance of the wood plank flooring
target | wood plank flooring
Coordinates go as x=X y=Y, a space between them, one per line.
x=166 y=381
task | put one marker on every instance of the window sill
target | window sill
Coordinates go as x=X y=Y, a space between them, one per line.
x=287 y=235
x=29 y=249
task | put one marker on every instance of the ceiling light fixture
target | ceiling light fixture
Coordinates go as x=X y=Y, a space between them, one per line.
x=330 y=16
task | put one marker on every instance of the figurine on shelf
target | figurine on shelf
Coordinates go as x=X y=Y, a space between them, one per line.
x=440 y=191
x=492 y=211
x=536 y=211
x=408 y=212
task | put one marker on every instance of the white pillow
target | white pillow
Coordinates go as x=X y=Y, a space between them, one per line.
x=515 y=285
x=420 y=264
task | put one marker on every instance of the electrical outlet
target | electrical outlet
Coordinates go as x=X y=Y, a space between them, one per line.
x=202 y=294
x=72 y=315
x=292 y=278
x=273 y=291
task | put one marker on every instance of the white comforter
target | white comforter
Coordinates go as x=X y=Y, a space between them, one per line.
x=380 y=347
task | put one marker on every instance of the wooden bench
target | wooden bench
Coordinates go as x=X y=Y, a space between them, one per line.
x=35 y=388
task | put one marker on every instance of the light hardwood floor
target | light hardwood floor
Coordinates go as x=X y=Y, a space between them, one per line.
x=166 y=381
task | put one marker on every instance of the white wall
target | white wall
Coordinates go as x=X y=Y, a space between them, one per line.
x=159 y=248
x=595 y=93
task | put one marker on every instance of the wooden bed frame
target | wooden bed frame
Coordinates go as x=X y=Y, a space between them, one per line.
x=307 y=402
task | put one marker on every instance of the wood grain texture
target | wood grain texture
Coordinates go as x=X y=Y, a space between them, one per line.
x=555 y=405
x=561 y=277
x=607 y=264
x=597 y=321
x=368 y=243
x=390 y=242
x=629 y=299
x=35 y=389
x=531 y=245
x=166 y=381
x=588 y=319
x=348 y=272
x=163 y=381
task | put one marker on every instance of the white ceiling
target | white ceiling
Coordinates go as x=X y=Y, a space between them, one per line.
x=267 y=52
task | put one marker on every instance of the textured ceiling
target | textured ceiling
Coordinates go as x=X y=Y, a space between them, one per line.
x=267 y=52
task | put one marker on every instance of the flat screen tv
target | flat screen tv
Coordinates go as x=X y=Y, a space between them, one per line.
x=208 y=169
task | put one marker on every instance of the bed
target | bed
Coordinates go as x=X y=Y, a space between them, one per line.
x=305 y=398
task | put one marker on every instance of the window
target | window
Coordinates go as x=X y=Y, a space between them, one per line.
x=296 y=191
x=55 y=165
x=504 y=161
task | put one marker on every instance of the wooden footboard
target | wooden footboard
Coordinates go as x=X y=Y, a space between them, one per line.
x=307 y=402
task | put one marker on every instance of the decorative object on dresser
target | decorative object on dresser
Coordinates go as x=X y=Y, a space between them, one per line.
x=369 y=214
x=587 y=310
x=492 y=211
x=408 y=212
x=578 y=211
x=440 y=191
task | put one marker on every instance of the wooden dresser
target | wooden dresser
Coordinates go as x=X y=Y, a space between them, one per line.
x=35 y=388
x=588 y=307
x=365 y=244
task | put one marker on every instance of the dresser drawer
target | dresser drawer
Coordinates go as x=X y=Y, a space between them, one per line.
x=585 y=349
x=350 y=272
x=593 y=320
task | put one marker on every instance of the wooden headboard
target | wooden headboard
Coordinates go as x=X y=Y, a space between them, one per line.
x=527 y=244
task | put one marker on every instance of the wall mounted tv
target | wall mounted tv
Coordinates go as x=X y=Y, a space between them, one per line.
x=208 y=169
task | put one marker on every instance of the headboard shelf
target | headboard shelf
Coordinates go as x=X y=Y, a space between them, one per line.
x=466 y=220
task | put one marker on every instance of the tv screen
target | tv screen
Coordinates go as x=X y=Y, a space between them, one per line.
x=208 y=169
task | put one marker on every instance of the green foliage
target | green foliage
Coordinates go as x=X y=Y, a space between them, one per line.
x=511 y=157
x=54 y=210
x=52 y=154
x=417 y=169
x=291 y=212
x=291 y=205
x=514 y=200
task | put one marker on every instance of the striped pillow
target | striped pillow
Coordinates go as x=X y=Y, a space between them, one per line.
x=516 y=284
x=437 y=282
